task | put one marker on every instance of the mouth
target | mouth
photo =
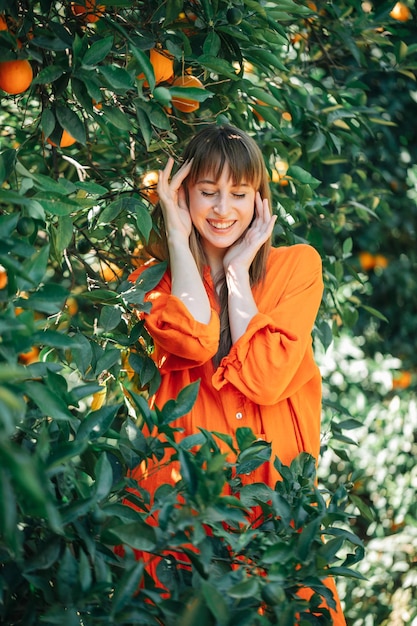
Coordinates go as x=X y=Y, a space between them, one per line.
x=221 y=224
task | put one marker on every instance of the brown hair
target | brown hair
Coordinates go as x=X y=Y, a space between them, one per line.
x=210 y=149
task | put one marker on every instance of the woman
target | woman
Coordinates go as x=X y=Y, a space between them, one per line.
x=232 y=311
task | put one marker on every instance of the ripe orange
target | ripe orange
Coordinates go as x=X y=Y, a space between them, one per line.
x=163 y=66
x=381 y=261
x=110 y=271
x=89 y=11
x=402 y=380
x=400 y=12
x=148 y=189
x=66 y=140
x=15 y=76
x=3 y=278
x=30 y=356
x=3 y=23
x=366 y=260
x=278 y=175
x=71 y=305
x=186 y=105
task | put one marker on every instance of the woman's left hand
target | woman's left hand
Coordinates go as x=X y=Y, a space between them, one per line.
x=242 y=253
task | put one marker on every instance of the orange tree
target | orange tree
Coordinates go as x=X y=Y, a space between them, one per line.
x=116 y=88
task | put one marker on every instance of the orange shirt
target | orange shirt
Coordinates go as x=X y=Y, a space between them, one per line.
x=269 y=381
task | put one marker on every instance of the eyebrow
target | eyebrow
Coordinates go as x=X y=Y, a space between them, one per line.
x=214 y=182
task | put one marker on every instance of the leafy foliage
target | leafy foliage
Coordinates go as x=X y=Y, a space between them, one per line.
x=62 y=520
x=312 y=83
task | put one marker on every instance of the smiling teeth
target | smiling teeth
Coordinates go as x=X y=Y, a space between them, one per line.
x=221 y=225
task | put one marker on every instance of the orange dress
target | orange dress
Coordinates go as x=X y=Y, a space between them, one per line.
x=269 y=381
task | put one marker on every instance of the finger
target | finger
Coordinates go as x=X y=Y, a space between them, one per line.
x=181 y=175
x=165 y=173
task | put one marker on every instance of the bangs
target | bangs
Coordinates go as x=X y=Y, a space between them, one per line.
x=211 y=153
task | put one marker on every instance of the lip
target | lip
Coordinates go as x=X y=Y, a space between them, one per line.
x=221 y=225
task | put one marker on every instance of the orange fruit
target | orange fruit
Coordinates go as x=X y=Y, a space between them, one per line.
x=163 y=66
x=110 y=272
x=402 y=380
x=367 y=261
x=30 y=356
x=15 y=76
x=3 y=278
x=400 y=12
x=66 y=140
x=381 y=261
x=186 y=105
x=71 y=306
x=148 y=189
x=89 y=11
x=278 y=175
x=3 y=23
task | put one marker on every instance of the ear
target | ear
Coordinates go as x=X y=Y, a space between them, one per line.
x=183 y=197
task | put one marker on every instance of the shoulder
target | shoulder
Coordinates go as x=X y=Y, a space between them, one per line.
x=298 y=256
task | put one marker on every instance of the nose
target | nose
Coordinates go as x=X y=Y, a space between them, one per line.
x=221 y=204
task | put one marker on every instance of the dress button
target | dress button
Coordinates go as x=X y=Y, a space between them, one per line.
x=239 y=415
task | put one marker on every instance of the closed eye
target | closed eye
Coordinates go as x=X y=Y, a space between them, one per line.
x=208 y=194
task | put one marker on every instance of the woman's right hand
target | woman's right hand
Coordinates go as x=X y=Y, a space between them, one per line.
x=172 y=199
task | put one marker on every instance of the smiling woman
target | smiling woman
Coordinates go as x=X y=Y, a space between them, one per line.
x=232 y=312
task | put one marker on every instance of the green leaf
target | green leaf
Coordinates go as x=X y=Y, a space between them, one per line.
x=265 y=58
x=102 y=296
x=7 y=164
x=71 y=122
x=117 y=78
x=97 y=423
x=191 y=93
x=126 y=587
x=248 y=588
x=48 y=74
x=216 y=603
x=98 y=51
x=117 y=118
x=137 y=535
x=104 y=478
x=304 y=177
x=49 y=299
x=64 y=452
x=244 y=437
x=188 y=472
x=110 y=318
x=143 y=221
x=144 y=124
x=173 y=409
x=50 y=404
x=56 y=204
x=145 y=66
x=253 y=456
x=212 y=44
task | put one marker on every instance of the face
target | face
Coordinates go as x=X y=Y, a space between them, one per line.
x=220 y=211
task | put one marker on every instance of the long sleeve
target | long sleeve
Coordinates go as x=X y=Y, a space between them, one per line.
x=273 y=359
x=181 y=342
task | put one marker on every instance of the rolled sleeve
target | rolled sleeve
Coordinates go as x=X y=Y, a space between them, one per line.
x=176 y=332
x=274 y=357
